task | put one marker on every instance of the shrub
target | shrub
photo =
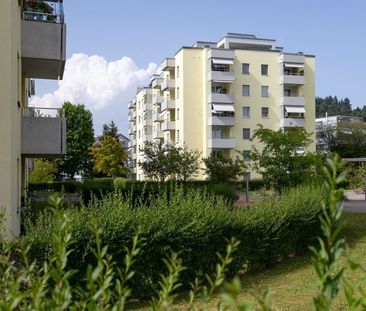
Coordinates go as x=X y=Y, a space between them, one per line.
x=191 y=222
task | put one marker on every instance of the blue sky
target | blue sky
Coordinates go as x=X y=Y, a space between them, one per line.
x=148 y=31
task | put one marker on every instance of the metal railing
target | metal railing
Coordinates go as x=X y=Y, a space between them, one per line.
x=43 y=11
x=38 y=112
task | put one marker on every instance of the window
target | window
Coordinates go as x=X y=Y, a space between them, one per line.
x=217 y=133
x=177 y=135
x=246 y=112
x=139 y=134
x=265 y=112
x=246 y=156
x=177 y=114
x=246 y=134
x=246 y=90
x=264 y=70
x=265 y=91
x=245 y=69
x=287 y=92
x=177 y=72
x=177 y=92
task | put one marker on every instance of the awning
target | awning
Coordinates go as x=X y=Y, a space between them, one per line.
x=223 y=108
x=222 y=61
x=294 y=65
x=295 y=109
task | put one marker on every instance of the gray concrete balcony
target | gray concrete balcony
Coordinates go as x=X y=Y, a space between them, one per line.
x=147 y=137
x=292 y=58
x=43 y=41
x=222 y=143
x=221 y=76
x=147 y=122
x=157 y=116
x=43 y=133
x=156 y=81
x=292 y=100
x=292 y=122
x=168 y=84
x=292 y=79
x=221 y=53
x=167 y=104
x=221 y=98
x=134 y=115
x=221 y=121
x=157 y=134
x=157 y=99
x=168 y=125
x=167 y=64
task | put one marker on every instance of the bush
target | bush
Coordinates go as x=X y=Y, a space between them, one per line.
x=191 y=222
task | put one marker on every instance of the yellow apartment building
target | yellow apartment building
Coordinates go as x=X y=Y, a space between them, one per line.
x=211 y=97
x=32 y=45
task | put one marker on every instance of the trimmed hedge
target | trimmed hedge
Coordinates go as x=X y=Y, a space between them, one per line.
x=193 y=223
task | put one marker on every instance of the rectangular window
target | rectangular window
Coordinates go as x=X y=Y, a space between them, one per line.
x=177 y=72
x=177 y=135
x=246 y=112
x=177 y=92
x=246 y=90
x=246 y=156
x=265 y=91
x=265 y=112
x=264 y=70
x=246 y=134
x=177 y=114
x=245 y=69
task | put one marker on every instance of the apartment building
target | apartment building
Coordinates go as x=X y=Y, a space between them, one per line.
x=32 y=46
x=211 y=96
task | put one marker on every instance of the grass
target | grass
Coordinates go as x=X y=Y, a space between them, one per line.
x=293 y=282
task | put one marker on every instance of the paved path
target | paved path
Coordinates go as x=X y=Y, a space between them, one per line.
x=355 y=202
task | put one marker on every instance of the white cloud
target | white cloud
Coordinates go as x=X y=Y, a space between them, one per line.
x=95 y=82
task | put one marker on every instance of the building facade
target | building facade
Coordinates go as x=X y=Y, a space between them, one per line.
x=32 y=46
x=212 y=96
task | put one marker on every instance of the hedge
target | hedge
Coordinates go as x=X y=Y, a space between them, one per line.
x=193 y=223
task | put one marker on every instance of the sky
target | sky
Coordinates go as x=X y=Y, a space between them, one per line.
x=113 y=46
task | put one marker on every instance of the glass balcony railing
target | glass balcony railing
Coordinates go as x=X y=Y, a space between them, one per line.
x=43 y=11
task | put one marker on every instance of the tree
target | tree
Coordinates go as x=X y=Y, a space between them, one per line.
x=332 y=106
x=350 y=139
x=225 y=170
x=44 y=171
x=279 y=162
x=110 y=129
x=79 y=138
x=326 y=138
x=108 y=157
x=162 y=161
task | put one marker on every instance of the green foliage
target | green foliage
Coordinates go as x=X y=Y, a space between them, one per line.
x=356 y=178
x=191 y=222
x=351 y=139
x=332 y=106
x=174 y=161
x=110 y=129
x=44 y=171
x=79 y=138
x=279 y=162
x=108 y=157
x=219 y=168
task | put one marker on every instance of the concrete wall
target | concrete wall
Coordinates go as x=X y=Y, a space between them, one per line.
x=10 y=114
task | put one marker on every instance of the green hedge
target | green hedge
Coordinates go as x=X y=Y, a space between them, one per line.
x=193 y=223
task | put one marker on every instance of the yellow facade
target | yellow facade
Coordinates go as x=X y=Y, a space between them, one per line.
x=13 y=102
x=215 y=99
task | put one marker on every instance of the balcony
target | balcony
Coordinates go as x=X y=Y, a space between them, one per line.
x=168 y=125
x=156 y=81
x=134 y=115
x=157 y=116
x=292 y=122
x=157 y=99
x=158 y=134
x=134 y=129
x=292 y=79
x=221 y=98
x=146 y=122
x=221 y=53
x=292 y=58
x=222 y=143
x=43 y=41
x=146 y=138
x=168 y=84
x=167 y=64
x=43 y=132
x=221 y=121
x=167 y=104
x=221 y=76
x=293 y=100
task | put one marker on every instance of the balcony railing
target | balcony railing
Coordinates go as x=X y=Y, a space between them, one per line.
x=167 y=84
x=221 y=98
x=292 y=122
x=43 y=11
x=167 y=104
x=221 y=121
x=168 y=125
x=222 y=143
x=43 y=132
x=293 y=100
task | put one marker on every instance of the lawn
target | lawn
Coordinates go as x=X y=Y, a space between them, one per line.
x=293 y=282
